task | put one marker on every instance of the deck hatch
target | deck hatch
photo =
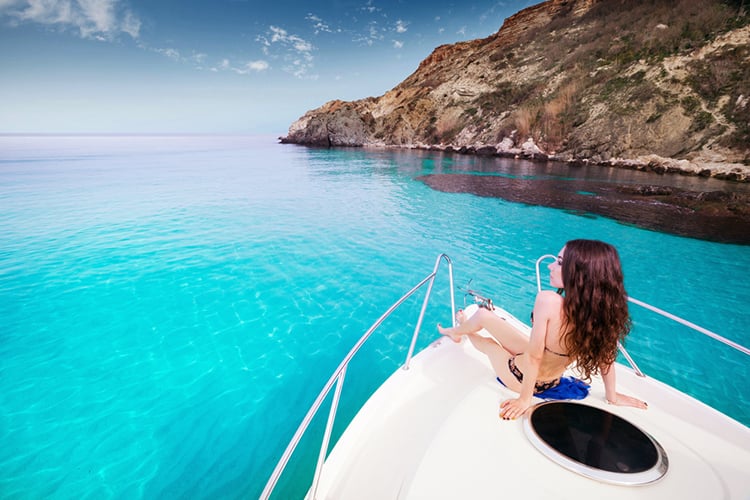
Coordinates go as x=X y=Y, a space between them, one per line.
x=595 y=443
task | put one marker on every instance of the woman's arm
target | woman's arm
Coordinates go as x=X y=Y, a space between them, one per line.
x=545 y=305
x=610 y=392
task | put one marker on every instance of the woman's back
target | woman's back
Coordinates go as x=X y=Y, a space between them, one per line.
x=555 y=359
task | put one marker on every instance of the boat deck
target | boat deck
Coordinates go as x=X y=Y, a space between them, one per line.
x=433 y=431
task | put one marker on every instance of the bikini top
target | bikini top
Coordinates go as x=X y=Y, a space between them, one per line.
x=553 y=352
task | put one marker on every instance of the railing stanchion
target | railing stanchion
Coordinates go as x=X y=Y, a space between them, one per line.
x=627 y=356
x=338 y=378
x=424 y=305
x=327 y=435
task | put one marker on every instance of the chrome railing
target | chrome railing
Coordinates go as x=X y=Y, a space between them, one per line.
x=661 y=312
x=338 y=379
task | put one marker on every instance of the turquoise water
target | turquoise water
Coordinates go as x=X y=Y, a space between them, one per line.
x=172 y=305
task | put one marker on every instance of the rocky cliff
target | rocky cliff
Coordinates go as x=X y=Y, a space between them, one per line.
x=648 y=84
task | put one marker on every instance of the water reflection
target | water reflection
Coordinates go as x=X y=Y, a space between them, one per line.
x=694 y=207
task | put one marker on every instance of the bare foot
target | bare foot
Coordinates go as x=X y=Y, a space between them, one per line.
x=449 y=332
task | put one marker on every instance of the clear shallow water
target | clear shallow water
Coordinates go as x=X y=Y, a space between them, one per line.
x=172 y=305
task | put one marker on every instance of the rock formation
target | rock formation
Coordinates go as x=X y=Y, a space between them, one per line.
x=657 y=85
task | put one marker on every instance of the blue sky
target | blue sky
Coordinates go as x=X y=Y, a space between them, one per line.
x=223 y=66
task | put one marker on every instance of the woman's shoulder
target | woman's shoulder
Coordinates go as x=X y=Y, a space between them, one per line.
x=549 y=298
x=548 y=303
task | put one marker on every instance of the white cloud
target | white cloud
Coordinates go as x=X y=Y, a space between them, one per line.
x=198 y=61
x=372 y=35
x=295 y=51
x=104 y=20
x=93 y=19
x=99 y=13
x=259 y=65
x=241 y=69
x=131 y=25
x=397 y=44
x=373 y=26
x=302 y=46
x=173 y=54
x=369 y=7
x=318 y=24
x=278 y=34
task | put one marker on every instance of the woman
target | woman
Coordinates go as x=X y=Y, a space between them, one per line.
x=581 y=326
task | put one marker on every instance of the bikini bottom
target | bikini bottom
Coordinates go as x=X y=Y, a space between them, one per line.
x=564 y=387
x=539 y=386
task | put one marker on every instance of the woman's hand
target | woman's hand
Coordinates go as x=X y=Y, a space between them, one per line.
x=609 y=378
x=511 y=409
x=625 y=400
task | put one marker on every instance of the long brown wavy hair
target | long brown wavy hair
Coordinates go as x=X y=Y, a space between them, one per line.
x=595 y=306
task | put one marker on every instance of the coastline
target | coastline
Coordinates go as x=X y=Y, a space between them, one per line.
x=697 y=167
x=703 y=164
x=721 y=216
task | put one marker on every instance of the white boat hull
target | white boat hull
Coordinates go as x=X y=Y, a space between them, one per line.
x=433 y=432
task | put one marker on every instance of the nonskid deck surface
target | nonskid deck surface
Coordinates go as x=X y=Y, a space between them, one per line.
x=433 y=431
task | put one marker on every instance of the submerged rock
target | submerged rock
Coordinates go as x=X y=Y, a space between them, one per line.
x=714 y=215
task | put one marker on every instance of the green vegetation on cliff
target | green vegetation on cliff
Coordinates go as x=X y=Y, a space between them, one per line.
x=600 y=80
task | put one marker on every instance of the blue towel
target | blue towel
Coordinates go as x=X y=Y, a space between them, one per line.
x=568 y=388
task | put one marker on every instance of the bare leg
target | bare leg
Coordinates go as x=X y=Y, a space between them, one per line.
x=511 y=339
x=498 y=359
